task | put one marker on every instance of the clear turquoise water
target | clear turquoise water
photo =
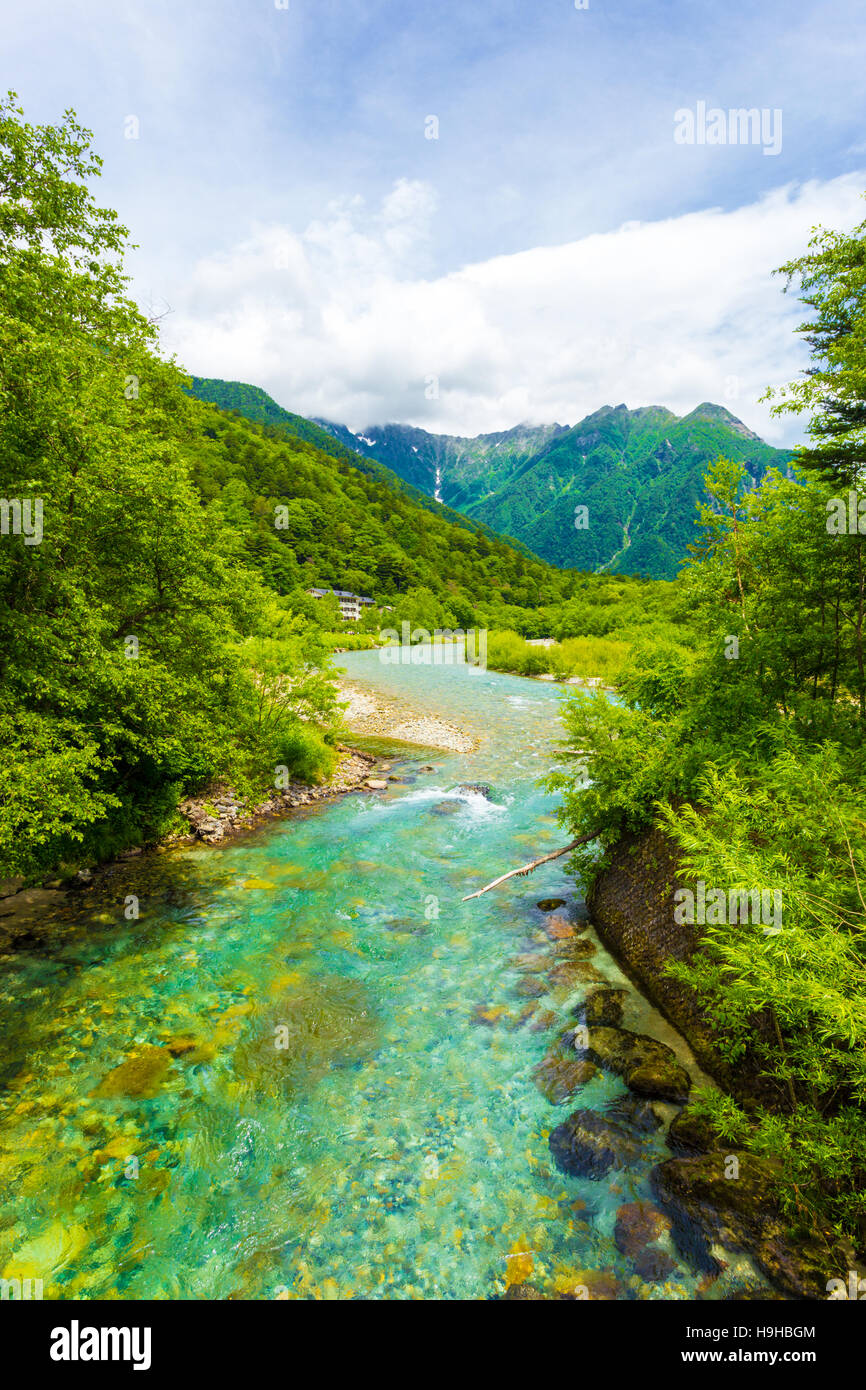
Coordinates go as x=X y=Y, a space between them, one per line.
x=397 y=1146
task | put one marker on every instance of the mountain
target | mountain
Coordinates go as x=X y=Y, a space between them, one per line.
x=349 y=521
x=339 y=443
x=640 y=475
x=638 y=472
x=458 y=470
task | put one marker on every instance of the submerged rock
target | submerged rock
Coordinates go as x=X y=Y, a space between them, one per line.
x=141 y=1074
x=569 y=974
x=550 y=904
x=654 y=1265
x=587 y=1145
x=637 y=1225
x=710 y=1205
x=530 y=987
x=543 y=1021
x=325 y=1022
x=561 y=1074
x=445 y=808
x=579 y=950
x=557 y=929
x=580 y=972
x=487 y=1015
x=635 y=1111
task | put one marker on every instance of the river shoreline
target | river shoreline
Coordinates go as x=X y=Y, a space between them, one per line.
x=372 y=715
x=218 y=814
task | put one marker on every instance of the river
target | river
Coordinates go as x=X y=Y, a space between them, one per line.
x=306 y=1069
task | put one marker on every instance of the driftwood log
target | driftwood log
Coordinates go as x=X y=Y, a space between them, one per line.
x=535 y=863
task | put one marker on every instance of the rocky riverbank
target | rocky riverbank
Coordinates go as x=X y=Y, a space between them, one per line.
x=369 y=713
x=717 y=1200
x=220 y=813
x=211 y=818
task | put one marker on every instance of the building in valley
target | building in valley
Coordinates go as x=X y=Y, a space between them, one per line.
x=350 y=604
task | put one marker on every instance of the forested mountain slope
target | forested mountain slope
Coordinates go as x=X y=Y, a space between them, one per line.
x=639 y=474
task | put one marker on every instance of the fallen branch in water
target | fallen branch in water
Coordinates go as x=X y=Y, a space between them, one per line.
x=527 y=868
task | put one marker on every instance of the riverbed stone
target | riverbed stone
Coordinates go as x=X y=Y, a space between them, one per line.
x=559 y=930
x=653 y=1265
x=530 y=987
x=587 y=1145
x=321 y=1023
x=550 y=904
x=544 y=1020
x=487 y=1015
x=637 y=1225
x=475 y=789
x=710 y=1207
x=569 y=973
x=561 y=1074
x=636 y=1111
x=140 y=1074
x=579 y=950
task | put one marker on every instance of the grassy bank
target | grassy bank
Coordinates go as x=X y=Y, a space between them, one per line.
x=588 y=657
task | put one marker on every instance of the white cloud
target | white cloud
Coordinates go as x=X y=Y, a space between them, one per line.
x=340 y=320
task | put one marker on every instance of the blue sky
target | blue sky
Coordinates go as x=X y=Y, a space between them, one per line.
x=308 y=237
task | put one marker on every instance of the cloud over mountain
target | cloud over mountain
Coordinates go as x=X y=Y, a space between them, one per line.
x=344 y=319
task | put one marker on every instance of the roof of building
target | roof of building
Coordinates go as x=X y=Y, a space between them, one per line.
x=339 y=593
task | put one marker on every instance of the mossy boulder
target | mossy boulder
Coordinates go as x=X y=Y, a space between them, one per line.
x=603 y=1008
x=732 y=1200
x=690 y=1134
x=646 y=1066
